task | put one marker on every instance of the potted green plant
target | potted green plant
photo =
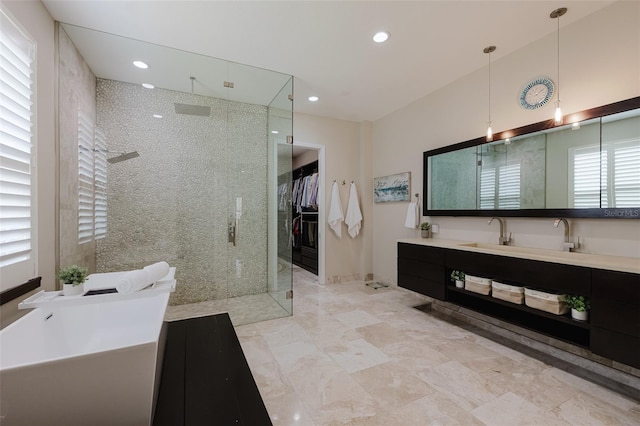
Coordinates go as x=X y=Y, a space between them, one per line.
x=579 y=307
x=73 y=278
x=458 y=277
x=425 y=229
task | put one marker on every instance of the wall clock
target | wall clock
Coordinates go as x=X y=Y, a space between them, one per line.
x=537 y=93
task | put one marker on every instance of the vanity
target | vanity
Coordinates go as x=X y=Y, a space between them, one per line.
x=611 y=283
x=586 y=167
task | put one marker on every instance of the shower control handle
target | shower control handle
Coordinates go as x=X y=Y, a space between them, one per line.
x=233 y=231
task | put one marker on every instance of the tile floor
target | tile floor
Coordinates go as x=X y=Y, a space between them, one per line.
x=358 y=356
x=242 y=310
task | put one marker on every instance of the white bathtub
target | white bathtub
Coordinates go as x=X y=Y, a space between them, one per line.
x=89 y=364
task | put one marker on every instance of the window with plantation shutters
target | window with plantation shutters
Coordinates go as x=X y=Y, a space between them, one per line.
x=605 y=177
x=100 y=185
x=17 y=178
x=92 y=181
x=500 y=187
x=85 y=179
x=584 y=177
x=623 y=174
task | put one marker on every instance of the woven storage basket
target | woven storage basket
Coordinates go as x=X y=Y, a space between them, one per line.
x=477 y=284
x=545 y=301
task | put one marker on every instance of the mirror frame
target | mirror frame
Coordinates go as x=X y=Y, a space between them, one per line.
x=597 y=112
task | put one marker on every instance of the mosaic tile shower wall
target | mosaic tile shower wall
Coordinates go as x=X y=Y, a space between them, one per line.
x=174 y=202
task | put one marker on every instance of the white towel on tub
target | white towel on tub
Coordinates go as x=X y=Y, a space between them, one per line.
x=156 y=271
x=336 y=217
x=413 y=216
x=140 y=278
x=353 y=219
x=133 y=281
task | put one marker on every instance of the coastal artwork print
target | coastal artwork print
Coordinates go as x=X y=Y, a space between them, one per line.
x=392 y=188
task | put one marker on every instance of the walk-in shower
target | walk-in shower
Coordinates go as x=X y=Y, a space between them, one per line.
x=208 y=158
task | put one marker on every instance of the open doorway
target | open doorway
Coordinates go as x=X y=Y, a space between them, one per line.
x=307 y=225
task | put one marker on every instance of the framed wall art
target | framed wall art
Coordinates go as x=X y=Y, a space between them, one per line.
x=392 y=188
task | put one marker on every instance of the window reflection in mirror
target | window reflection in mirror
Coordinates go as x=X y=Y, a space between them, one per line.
x=573 y=166
x=620 y=160
x=511 y=173
x=589 y=168
x=453 y=174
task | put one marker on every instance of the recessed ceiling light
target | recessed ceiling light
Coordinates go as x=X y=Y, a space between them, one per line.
x=148 y=86
x=381 y=37
x=157 y=116
x=140 y=64
x=275 y=132
x=313 y=98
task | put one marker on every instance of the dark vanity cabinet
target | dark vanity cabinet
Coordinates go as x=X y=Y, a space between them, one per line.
x=552 y=277
x=421 y=269
x=615 y=316
x=613 y=329
x=524 y=272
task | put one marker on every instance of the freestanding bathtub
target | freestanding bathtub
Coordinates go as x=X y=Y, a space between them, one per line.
x=86 y=364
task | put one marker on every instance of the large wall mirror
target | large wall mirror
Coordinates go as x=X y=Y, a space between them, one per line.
x=589 y=167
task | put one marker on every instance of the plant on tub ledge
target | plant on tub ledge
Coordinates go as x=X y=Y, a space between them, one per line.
x=458 y=277
x=425 y=229
x=73 y=278
x=579 y=307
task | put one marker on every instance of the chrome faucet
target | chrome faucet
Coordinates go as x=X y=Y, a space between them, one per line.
x=567 y=245
x=504 y=240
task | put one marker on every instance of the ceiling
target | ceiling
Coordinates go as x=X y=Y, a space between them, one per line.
x=327 y=45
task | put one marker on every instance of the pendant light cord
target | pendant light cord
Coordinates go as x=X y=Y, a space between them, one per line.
x=558 y=18
x=489 y=87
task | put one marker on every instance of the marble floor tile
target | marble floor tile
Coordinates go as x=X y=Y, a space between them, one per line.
x=287 y=410
x=392 y=385
x=356 y=355
x=510 y=409
x=434 y=409
x=588 y=410
x=352 y=355
x=464 y=386
x=356 y=319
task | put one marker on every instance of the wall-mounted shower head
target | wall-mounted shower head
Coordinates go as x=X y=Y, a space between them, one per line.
x=123 y=157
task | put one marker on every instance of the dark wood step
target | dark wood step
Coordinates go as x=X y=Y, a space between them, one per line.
x=205 y=377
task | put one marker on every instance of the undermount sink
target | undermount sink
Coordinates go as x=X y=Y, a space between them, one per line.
x=523 y=250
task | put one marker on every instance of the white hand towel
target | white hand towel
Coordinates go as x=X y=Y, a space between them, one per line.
x=354 y=215
x=413 y=216
x=336 y=217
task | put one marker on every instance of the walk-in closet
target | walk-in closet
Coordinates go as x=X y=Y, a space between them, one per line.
x=304 y=210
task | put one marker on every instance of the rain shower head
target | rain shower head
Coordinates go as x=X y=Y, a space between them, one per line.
x=199 y=110
x=188 y=109
x=123 y=157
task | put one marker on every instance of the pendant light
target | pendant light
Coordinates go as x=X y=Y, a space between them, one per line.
x=556 y=14
x=488 y=50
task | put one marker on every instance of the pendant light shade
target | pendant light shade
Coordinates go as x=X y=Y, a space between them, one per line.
x=556 y=14
x=488 y=51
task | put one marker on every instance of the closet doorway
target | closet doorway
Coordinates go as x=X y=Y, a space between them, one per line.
x=308 y=209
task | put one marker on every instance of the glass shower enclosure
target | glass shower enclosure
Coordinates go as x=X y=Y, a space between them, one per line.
x=195 y=149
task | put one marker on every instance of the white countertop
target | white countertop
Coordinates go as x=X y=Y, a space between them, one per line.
x=597 y=261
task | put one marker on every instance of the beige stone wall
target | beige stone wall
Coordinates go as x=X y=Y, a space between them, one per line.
x=174 y=202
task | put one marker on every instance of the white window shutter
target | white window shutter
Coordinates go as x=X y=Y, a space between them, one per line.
x=85 y=179
x=17 y=64
x=100 y=185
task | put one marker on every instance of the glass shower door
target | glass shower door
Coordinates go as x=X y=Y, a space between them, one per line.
x=280 y=131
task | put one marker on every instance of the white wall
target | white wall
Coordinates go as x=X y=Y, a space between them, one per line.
x=36 y=20
x=343 y=141
x=600 y=64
